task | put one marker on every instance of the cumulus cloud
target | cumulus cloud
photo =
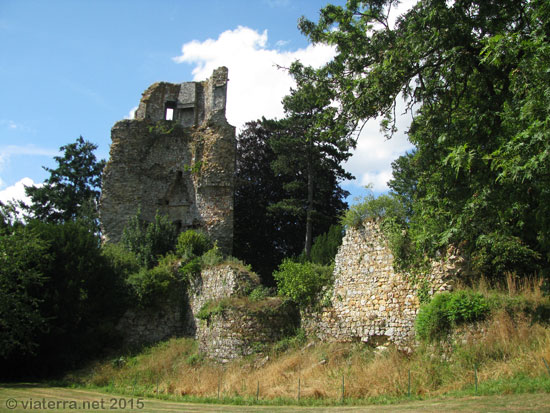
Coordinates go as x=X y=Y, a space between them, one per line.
x=256 y=85
x=16 y=192
x=371 y=161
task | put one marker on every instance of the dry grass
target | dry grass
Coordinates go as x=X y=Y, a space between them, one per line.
x=503 y=347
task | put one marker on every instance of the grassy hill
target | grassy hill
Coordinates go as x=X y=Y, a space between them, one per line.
x=505 y=353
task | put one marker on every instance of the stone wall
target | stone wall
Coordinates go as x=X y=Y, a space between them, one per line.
x=176 y=157
x=175 y=316
x=371 y=302
x=144 y=326
x=243 y=327
x=216 y=283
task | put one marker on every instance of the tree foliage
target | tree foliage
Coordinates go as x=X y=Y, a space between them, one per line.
x=60 y=297
x=270 y=217
x=313 y=141
x=73 y=188
x=475 y=76
x=23 y=258
x=325 y=246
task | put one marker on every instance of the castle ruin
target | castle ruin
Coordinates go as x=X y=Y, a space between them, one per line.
x=176 y=157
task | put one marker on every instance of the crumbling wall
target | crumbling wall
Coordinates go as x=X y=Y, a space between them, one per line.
x=176 y=157
x=243 y=328
x=218 y=282
x=370 y=302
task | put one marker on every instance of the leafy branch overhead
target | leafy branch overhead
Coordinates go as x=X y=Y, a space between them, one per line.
x=475 y=75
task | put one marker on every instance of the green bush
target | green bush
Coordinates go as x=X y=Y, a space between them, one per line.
x=152 y=285
x=211 y=308
x=123 y=262
x=302 y=282
x=191 y=269
x=212 y=257
x=446 y=310
x=259 y=293
x=192 y=244
x=149 y=241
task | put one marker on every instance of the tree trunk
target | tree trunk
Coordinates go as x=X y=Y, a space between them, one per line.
x=309 y=214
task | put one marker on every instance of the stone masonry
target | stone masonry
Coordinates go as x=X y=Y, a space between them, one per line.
x=370 y=301
x=176 y=157
x=216 y=283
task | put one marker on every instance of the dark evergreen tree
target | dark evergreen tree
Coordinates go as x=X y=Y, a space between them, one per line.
x=72 y=191
x=311 y=146
x=269 y=224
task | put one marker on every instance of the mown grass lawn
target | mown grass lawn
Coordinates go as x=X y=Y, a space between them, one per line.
x=20 y=397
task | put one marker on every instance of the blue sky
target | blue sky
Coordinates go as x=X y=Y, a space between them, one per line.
x=72 y=68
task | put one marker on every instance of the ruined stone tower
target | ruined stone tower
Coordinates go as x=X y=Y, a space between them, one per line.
x=176 y=157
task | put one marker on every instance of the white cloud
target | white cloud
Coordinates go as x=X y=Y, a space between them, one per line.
x=371 y=160
x=17 y=191
x=403 y=7
x=131 y=113
x=256 y=88
x=10 y=124
x=6 y=152
x=256 y=85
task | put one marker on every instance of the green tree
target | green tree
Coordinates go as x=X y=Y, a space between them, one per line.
x=474 y=74
x=314 y=139
x=23 y=258
x=73 y=188
x=325 y=246
x=59 y=286
x=267 y=228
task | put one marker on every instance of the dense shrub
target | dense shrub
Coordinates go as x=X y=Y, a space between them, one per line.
x=259 y=293
x=446 y=310
x=151 y=286
x=190 y=269
x=302 y=282
x=192 y=244
x=212 y=257
x=123 y=262
x=149 y=241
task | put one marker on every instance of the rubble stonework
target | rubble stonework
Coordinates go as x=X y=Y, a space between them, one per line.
x=240 y=329
x=176 y=157
x=218 y=282
x=370 y=302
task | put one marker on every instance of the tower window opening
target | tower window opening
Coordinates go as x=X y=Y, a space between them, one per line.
x=169 y=110
x=169 y=114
